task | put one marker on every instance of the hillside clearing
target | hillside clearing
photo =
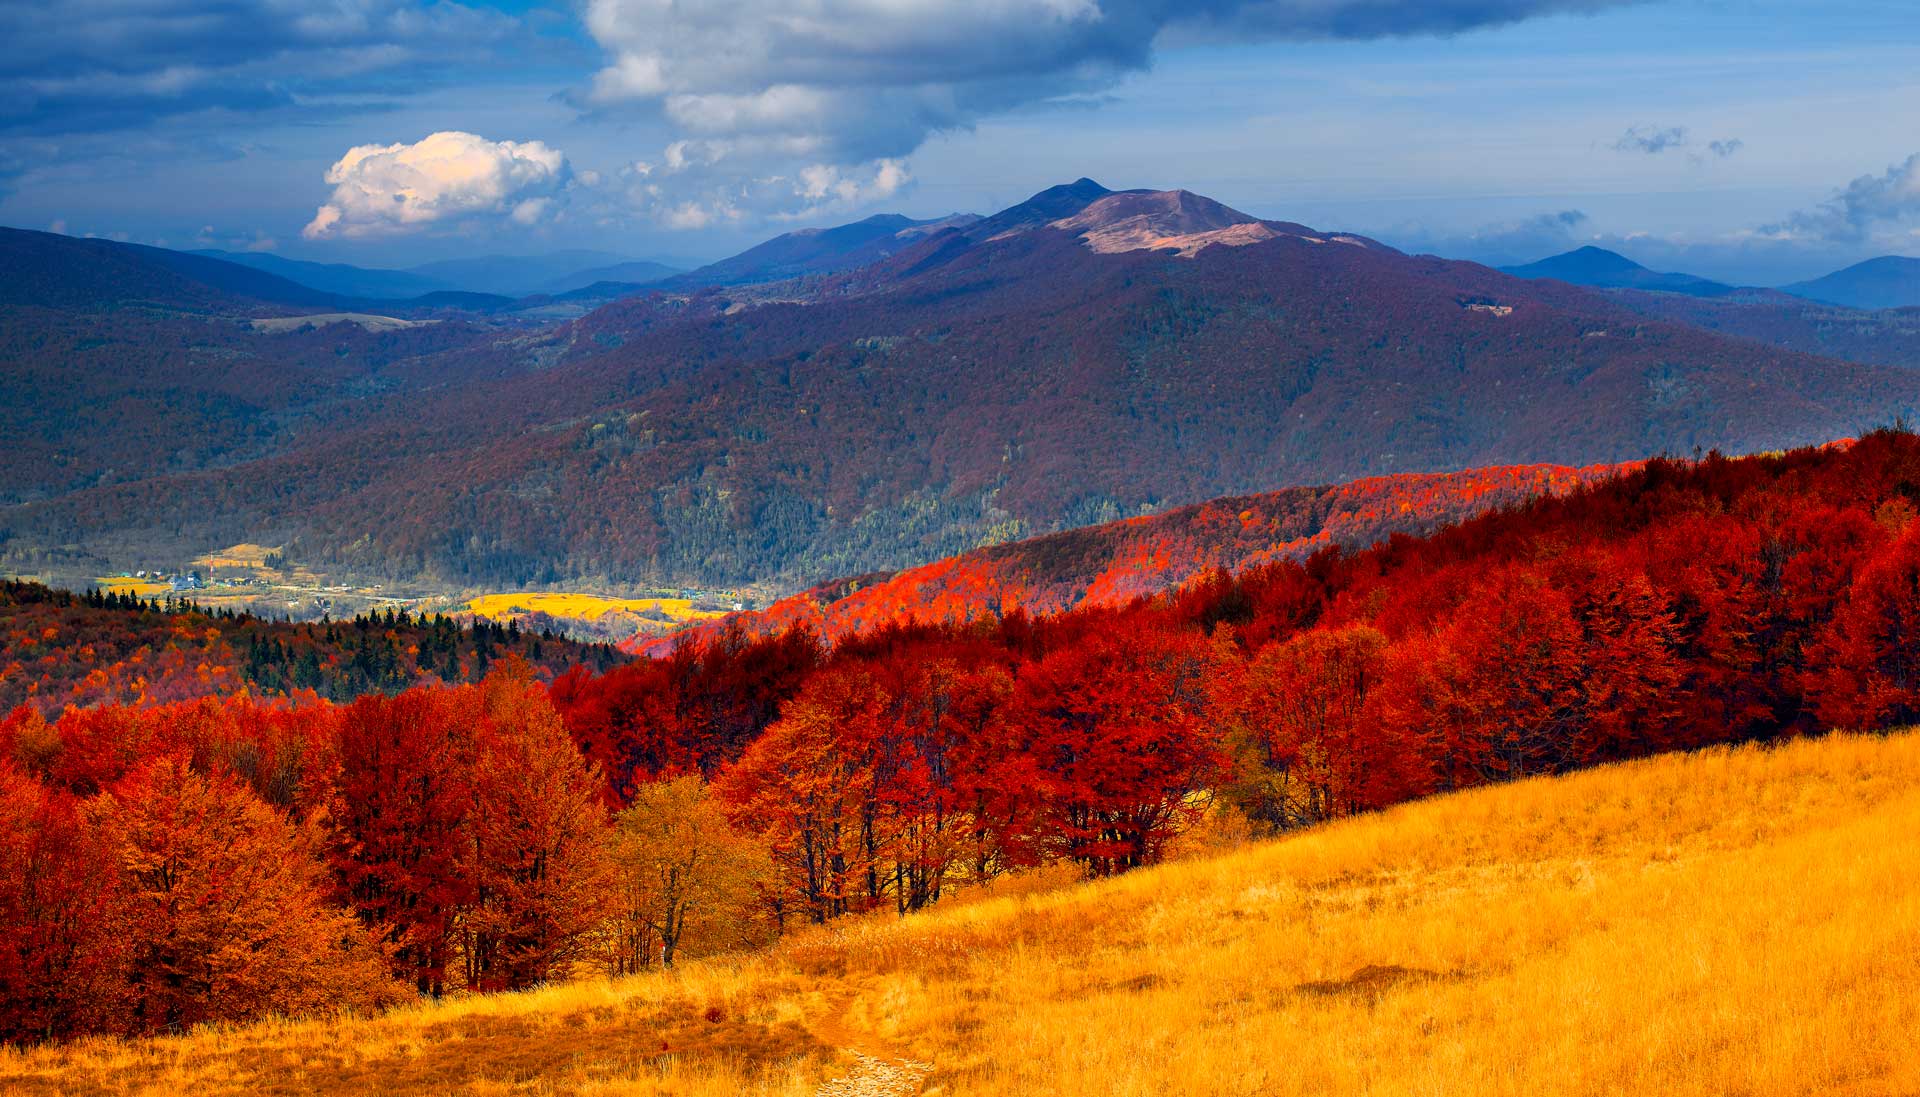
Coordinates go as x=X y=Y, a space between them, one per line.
x=1731 y=921
x=582 y=607
x=368 y=321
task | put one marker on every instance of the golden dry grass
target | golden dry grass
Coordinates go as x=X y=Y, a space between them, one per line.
x=244 y=555
x=126 y=584
x=581 y=607
x=1736 y=921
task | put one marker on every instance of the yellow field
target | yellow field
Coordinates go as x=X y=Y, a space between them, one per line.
x=1738 y=921
x=139 y=588
x=249 y=556
x=581 y=607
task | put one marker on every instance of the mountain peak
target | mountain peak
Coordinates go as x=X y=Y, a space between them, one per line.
x=1575 y=266
x=1048 y=206
x=1886 y=282
x=1595 y=266
x=1137 y=220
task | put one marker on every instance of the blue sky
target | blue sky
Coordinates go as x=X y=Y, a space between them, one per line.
x=1760 y=141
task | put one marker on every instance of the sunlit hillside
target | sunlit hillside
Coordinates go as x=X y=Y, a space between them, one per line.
x=585 y=607
x=1732 y=921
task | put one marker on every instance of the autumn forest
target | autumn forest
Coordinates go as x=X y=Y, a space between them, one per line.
x=497 y=812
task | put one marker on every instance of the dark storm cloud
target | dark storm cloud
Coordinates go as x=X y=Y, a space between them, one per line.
x=98 y=65
x=855 y=80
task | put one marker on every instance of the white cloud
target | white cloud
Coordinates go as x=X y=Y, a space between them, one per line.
x=442 y=178
x=827 y=183
x=698 y=184
x=1860 y=208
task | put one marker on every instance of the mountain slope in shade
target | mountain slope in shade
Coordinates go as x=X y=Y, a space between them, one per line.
x=1889 y=337
x=1116 y=562
x=337 y=278
x=974 y=387
x=818 y=251
x=1591 y=266
x=1053 y=204
x=1889 y=282
x=47 y=270
x=120 y=362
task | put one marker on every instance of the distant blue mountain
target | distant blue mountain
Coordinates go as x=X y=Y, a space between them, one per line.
x=819 y=251
x=638 y=272
x=1591 y=266
x=1889 y=282
x=524 y=275
x=339 y=278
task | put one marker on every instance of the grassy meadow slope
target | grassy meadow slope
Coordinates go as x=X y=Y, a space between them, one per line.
x=1733 y=921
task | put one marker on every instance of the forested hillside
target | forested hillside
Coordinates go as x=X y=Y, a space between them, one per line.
x=497 y=836
x=1887 y=337
x=994 y=380
x=59 y=649
x=1115 y=563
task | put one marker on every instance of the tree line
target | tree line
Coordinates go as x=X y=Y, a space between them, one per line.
x=59 y=648
x=220 y=858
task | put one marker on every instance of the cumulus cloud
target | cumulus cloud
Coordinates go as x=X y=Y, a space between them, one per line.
x=1654 y=140
x=699 y=184
x=1860 y=208
x=442 y=178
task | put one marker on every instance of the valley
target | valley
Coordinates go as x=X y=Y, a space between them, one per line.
x=1064 y=362
x=1340 y=548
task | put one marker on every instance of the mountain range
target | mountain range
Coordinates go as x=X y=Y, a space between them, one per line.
x=1888 y=282
x=497 y=275
x=915 y=390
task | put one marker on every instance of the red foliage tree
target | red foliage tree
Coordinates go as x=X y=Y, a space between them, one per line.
x=1868 y=661
x=399 y=818
x=56 y=957
x=1308 y=747
x=534 y=840
x=1116 y=731
x=223 y=913
x=809 y=787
